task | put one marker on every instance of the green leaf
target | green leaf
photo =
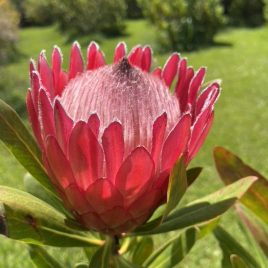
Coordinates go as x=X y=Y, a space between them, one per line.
x=256 y=232
x=21 y=144
x=231 y=168
x=121 y=262
x=177 y=186
x=230 y=246
x=81 y=265
x=128 y=244
x=35 y=188
x=192 y=174
x=41 y=258
x=201 y=210
x=29 y=219
x=173 y=251
x=101 y=258
x=144 y=248
x=89 y=252
x=237 y=262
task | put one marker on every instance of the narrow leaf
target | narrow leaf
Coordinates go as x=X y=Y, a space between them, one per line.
x=192 y=174
x=121 y=262
x=159 y=251
x=101 y=258
x=202 y=210
x=231 y=168
x=29 y=219
x=21 y=144
x=35 y=188
x=237 y=262
x=144 y=248
x=255 y=230
x=233 y=247
x=41 y=258
x=176 y=188
x=174 y=251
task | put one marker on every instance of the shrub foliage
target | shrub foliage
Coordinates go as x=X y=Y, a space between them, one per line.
x=80 y=17
x=38 y=12
x=133 y=9
x=245 y=12
x=184 y=24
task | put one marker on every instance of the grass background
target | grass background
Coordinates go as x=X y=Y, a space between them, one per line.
x=239 y=57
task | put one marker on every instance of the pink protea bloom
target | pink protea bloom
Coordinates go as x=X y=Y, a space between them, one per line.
x=110 y=134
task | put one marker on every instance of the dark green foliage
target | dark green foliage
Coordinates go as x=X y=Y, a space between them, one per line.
x=133 y=9
x=245 y=12
x=184 y=25
x=34 y=13
x=79 y=17
x=38 y=12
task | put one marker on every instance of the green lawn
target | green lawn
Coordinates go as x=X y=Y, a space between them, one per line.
x=239 y=58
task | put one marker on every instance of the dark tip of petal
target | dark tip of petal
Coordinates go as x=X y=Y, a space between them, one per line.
x=124 y=66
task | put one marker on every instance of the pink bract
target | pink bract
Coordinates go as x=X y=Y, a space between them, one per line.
x=110 y=134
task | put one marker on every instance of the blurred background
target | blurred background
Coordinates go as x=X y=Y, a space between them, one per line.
x=230 y=37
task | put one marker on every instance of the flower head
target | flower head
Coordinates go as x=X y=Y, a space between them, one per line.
x=110 y=134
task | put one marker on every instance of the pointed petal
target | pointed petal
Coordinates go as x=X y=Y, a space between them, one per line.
x=146 y=59
x=200 y=124
x=198 y=138
x=211 y=93
x=91 y=54
x=113 y=146
x=77 y=199
x=56 y=60
x=119 y=52
x=76 y=62
x=95 y=58
x=58 y=162
x=103 y=196
x=99 y=60
x=45 y=74
x=31 y=67
x=135 y=174
x=185 y=89
x=135 y=56
x=159 y=129
x=35 y=86
x=195 y=85
x=146 y=203
x=63 y=125
x=170 y=68
x=46 y=115
x=63 y=80
x=55 y=182
x=157 y=72
x=33 y=118
x=176 y=142
x=85 y=154
x=182 y=70
x=94 y=124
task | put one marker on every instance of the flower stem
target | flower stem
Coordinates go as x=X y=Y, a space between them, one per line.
x=115 y=245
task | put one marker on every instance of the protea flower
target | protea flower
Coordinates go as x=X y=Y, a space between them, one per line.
x=110 y=134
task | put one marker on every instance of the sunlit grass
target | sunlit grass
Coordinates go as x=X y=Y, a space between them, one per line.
x=240 y=59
